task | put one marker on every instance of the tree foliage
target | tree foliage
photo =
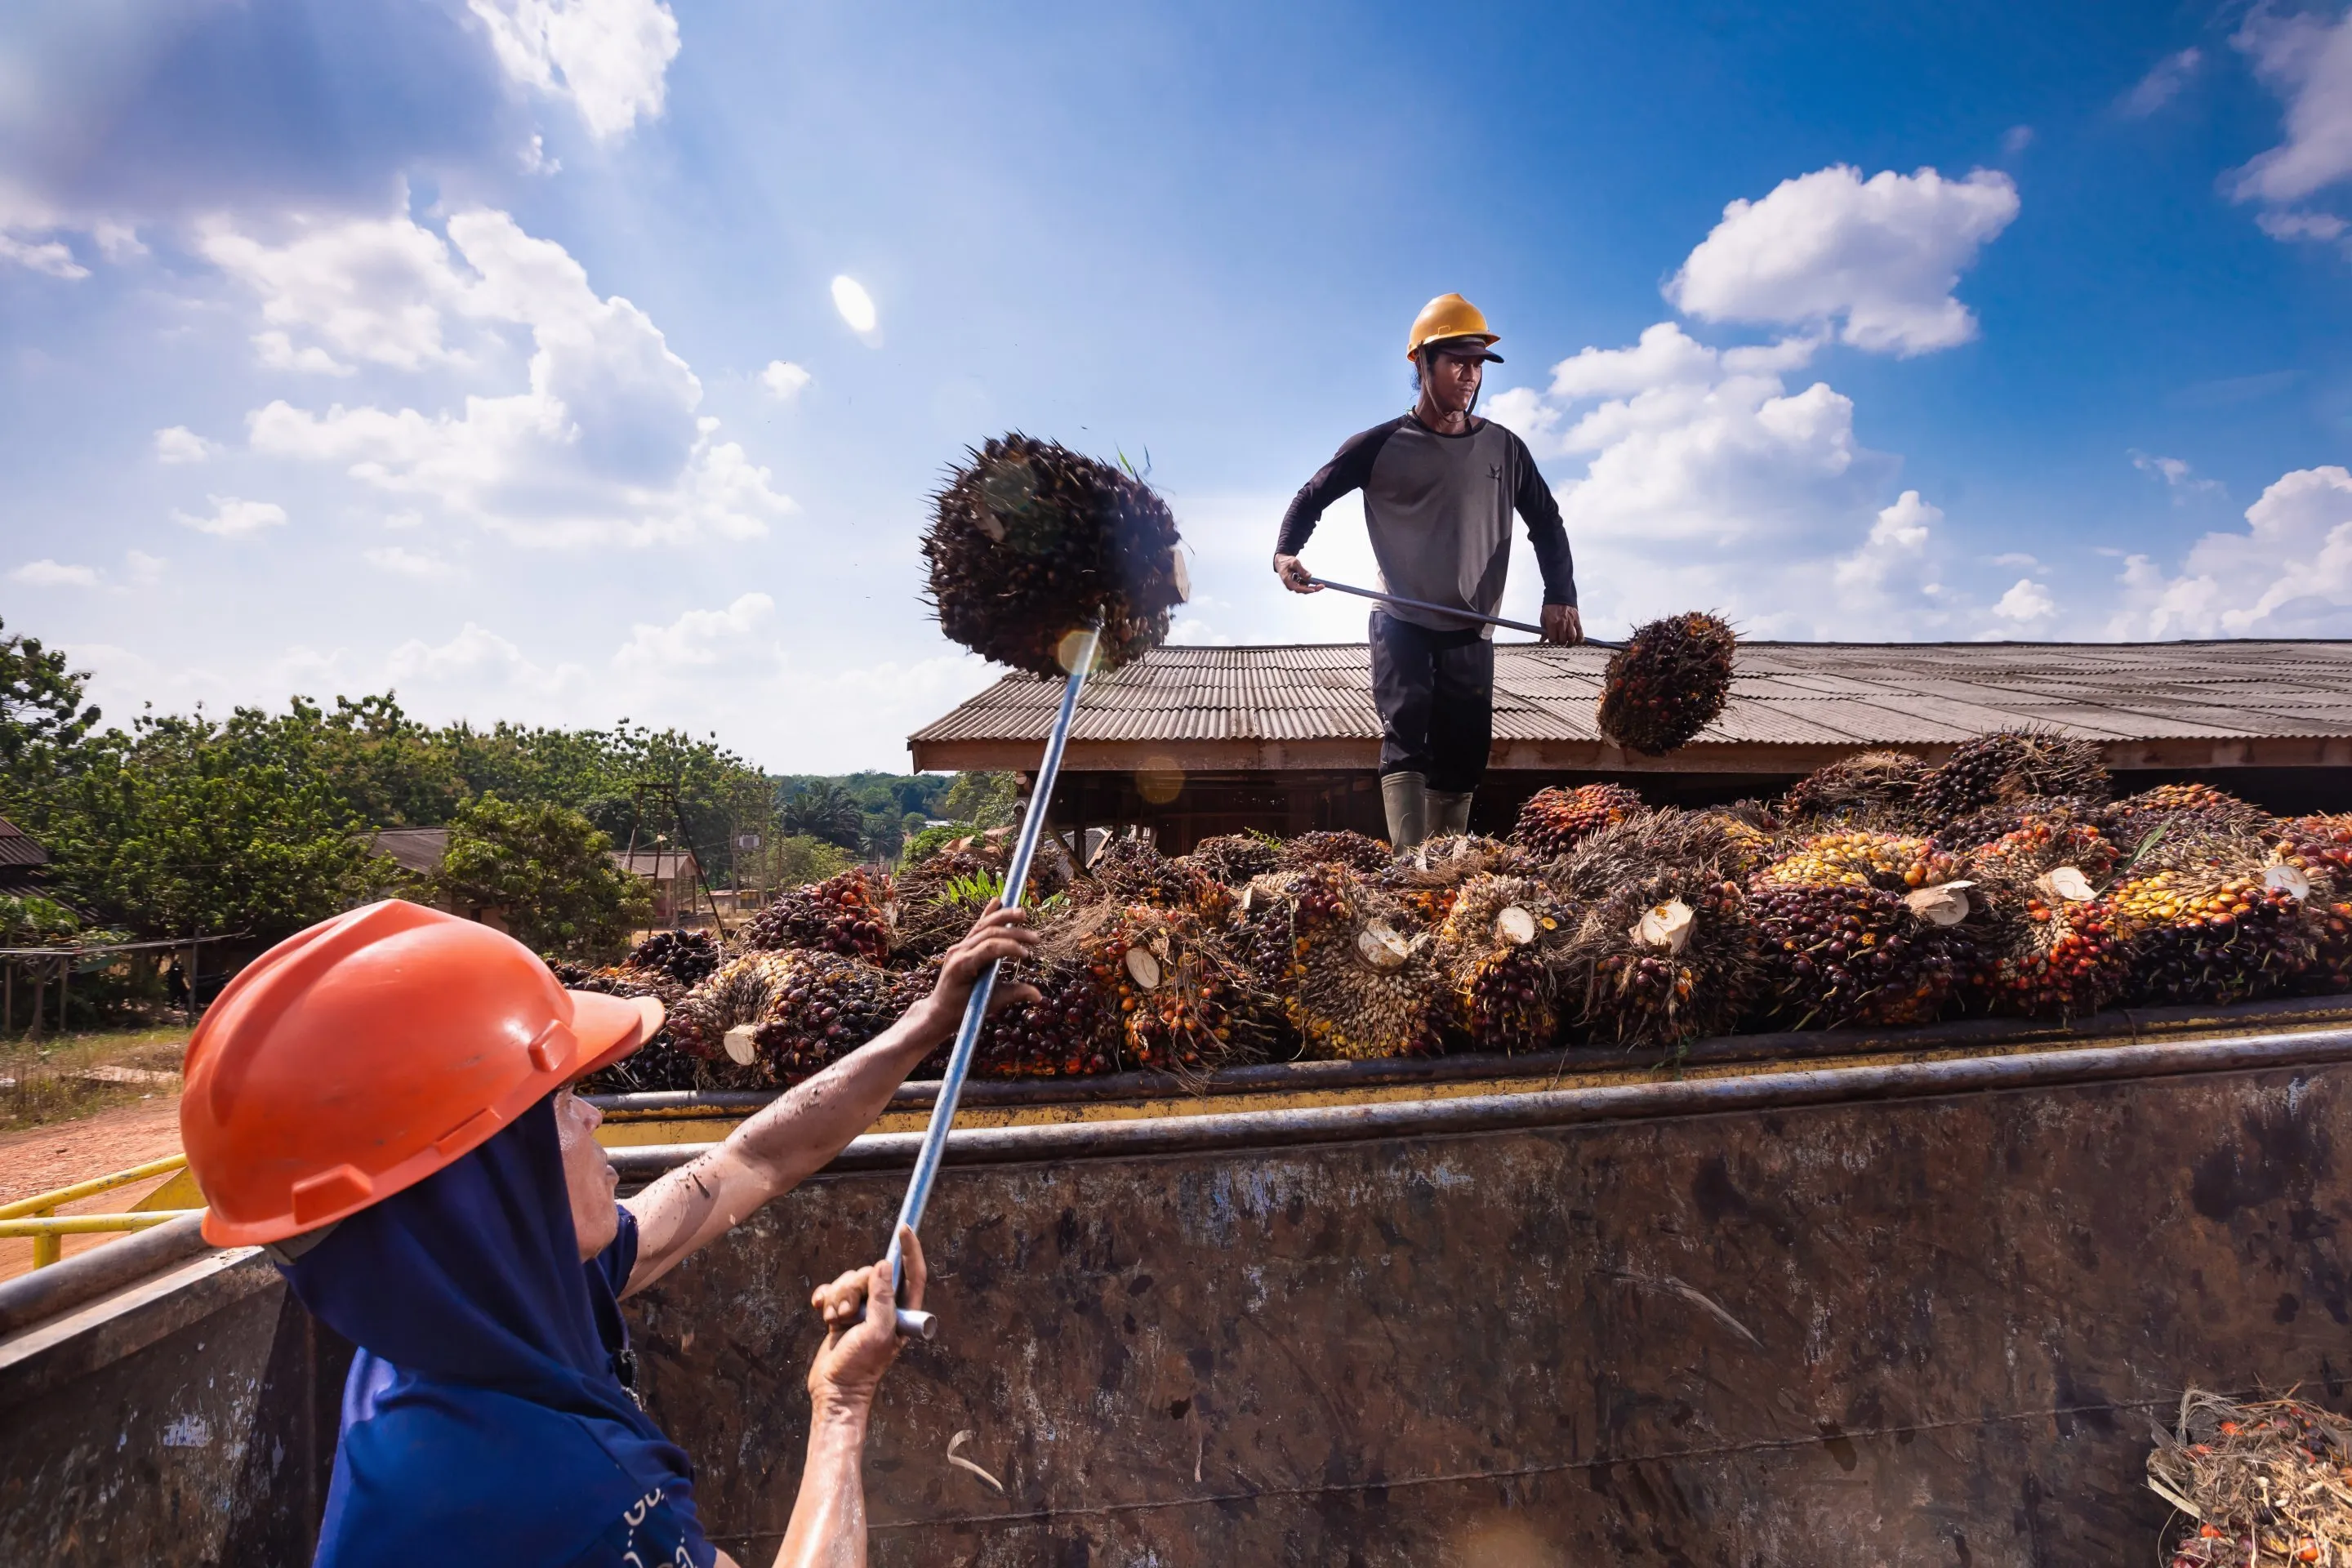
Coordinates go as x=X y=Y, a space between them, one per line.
x=822 y=809
x=546 y=873
x=43 y=719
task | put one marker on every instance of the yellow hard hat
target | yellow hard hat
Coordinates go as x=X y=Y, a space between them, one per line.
x=1449 y=316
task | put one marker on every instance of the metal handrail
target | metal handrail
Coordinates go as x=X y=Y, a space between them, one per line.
x=86 y=1224
x=41 y=1203
x=37 y=1216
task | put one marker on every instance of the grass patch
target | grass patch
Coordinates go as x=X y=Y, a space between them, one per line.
x=62 y=1077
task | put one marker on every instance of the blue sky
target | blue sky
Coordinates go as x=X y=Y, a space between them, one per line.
x=493 y=349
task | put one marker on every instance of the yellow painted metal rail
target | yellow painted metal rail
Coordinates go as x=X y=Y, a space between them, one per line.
x=37 y=1216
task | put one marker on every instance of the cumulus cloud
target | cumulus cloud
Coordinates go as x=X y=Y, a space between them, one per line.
x=2162 y=83
x=481 y=662
x=2306 y=60
x=603 y=444
x=2027 y=605
x=696 y=639
x=855 y=305
x=178 y=444
x=48 y=573
x=1879 y=258
x=235 y=519
x=610 y=58
x=1893 y=561
x=2289 y=574
x=49 y=256
x=783 y=380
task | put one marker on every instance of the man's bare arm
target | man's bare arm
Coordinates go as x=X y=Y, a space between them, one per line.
x=774 y=1151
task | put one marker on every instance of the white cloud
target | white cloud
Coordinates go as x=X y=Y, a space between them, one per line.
x=47 y=574
x=2288 y=574
x=2028 y=604
x=2162 y=83
x=423 y=565
x=603 y=444
x=784 y=380
x=1894 y=556
x=47 y=255
x=117 y=241
x=367 y=289
x=608 y=57
x=2290 y=225
x=696 y=639
x=2016 y=139
x=235 y=519
x=855 y=305
x=2178 y=476
x=1881 y=256
x=178 y=444
x=481 y=662
x=535 y=160
x=146 y=570
x=2308 y=61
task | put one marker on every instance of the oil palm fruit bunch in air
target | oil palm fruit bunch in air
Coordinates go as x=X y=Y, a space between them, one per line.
x=2209 y=915
x=688 y=957
x=1667 y=683
x=1863 y=929
x=1355 y=980
x=1491 y=949
x=2053 y=949
x=2009 y=766
x=1663 y=950
x=1030 y=543
x=1339 y=846
x=1871 y=789
x=2320 y=846
x=1554 y=820
x=825 y=1007
x=855 y=914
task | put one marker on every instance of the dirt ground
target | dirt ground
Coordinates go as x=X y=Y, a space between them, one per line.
x=40 y=1159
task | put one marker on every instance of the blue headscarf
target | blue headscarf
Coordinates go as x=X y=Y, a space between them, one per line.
x=482 y=1421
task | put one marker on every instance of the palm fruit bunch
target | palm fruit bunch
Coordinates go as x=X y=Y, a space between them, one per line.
x=1740 y=837
x=1072 y=1031
x=1339 y=846
x=2321 y=848
x=1667 y=683
x=2052 y=951
x=658 y=1064
x=688 y=957
x=1354 y=981
x=2207 y=917
x=1134 y=872
x=1554 y=820
x=825 y=1007
x=1182 y=1005
x=740 y=993
x=2009 y=766
x=855 y=914
x=1030 y=543
x=1987 y=823
x=2170 y=810
x=1867 y=929
x=1491 y=952
x=1234 y=858
x=1663 y=951
x=1872 y=788
x=1426 y=878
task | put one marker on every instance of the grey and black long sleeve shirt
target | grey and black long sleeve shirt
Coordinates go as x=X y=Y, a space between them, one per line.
x=1438 y=508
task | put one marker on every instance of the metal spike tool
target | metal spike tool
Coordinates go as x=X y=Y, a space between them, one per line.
x=1445 y=610
x=923 y=1325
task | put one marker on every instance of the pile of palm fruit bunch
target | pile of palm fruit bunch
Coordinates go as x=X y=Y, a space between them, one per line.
x=1879 y=892
x=2257 y=1483
x=1667 y=683
x=664 y=966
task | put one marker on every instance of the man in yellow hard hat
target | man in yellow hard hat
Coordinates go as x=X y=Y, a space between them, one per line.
x=1440 y=485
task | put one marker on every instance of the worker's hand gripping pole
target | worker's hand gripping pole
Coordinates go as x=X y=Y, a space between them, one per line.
x=1444 y=610
x=922 y=1325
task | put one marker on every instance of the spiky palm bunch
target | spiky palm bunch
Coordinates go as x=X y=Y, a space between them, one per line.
x=1983 y=825
x=1030 y=543
x=1234 y=858
x=1663 y=949
x=688 y=957
x=1667 y=683
x=1855 y=859
x=1072 y=1031
x=855 y=914
x=1339 y=846
x=2009 y=765
x=2320 y=847
x=743 y=991
x=1850 y=927
x=1492 y=949
x=1872 y=789
x=2051 y=949
x=1133 y=872
x=2205 y=918
x=2142 y=821
x=1555 y=820
x=826 y=1007
x=1183 y=1004
x=659 y=1063
x=1354 y=977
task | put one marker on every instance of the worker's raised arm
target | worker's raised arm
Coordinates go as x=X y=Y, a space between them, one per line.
x=1346 y=470
x=1531 y=497
x=773 y=1152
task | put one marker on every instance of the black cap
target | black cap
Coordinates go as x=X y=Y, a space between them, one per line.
x=1469 y=346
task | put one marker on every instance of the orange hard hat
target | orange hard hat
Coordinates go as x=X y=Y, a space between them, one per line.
x=1448 y=316
x=357 y=1058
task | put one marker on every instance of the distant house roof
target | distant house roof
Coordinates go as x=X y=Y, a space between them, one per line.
x=659 y=865
x=417 y=849
x=22 y=858
x=1794 y=705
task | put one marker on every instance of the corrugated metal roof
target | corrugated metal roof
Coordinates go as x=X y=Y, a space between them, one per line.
x=1209 y=702
x=18 y=847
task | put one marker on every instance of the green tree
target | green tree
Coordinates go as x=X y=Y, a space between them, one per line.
x=548 y=871
x=43 y=721
x=800 y=860
x=822 y=809
x=983 y=800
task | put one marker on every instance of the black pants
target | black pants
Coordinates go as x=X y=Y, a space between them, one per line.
x=1435 y=691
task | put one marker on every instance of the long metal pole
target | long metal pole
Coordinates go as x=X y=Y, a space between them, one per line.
x=1443 y=610
x=923 y=1325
